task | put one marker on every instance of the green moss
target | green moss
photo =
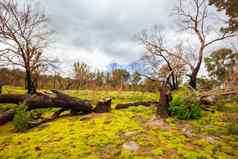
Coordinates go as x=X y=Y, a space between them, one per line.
x=131 y=155
x=13 y=90
x=102 y=135
x=158 y=152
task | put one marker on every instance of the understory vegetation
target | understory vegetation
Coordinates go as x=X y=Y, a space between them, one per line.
x=214 y=134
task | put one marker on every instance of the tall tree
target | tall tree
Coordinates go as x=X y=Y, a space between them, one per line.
x=195 y=17
x=221 y=64
x=24 y=36
x=82 y=73
x=231 y=9
x=136 y=78
x=158 y=56
x=120 y=77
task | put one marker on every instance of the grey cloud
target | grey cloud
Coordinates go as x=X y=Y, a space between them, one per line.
x=107 y=25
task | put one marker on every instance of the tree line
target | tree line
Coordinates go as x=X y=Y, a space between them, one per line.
x=83 y=78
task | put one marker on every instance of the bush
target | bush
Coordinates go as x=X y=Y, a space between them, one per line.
x=185 y=107
x=21 y=118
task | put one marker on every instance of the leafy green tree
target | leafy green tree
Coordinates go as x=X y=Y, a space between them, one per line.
x=99 y=78
x=221 y=64
x=151 y=85
x=136 y=78
x=120 y=77
x=231 y=9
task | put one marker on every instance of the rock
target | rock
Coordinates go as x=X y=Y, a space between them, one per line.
x=208 y=100
x=208 y=126
x=131 y=146
x=87 y=117
x=187 y=132
x=210 y=140
x=128 y=134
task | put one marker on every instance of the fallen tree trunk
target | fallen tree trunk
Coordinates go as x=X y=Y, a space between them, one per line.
x=12 y=98
x=127 y=105
x=58 y=100
x=7 y=116
x=45 y=120
x=55 y=100
x=0 y=88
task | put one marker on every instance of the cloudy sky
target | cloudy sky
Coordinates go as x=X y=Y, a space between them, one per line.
x=100 y=32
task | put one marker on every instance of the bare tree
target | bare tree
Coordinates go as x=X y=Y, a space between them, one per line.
x=165 y=64
x=24 y=35
x=195 y=17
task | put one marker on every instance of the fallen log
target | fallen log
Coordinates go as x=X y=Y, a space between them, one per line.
x=12 y=98
x=52 y=100
x=7 y=116
x=56 y=100
x=56 y=115
x=127 y=105
x=60 y=100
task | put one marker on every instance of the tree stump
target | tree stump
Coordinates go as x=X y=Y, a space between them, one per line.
x=163 y=106
x=103 y=106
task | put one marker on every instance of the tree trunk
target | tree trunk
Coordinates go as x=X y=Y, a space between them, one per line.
x=7 y=116
x=55 y=100
x=103 y=106
x=193 y=77
x=163 y=106
x=193 y=80
x=30 y=86
x=0 y=88
x=135 y=104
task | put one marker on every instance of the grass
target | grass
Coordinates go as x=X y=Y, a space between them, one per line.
x=101 y=136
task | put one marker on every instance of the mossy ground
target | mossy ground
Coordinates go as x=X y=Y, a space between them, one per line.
x=101 y=136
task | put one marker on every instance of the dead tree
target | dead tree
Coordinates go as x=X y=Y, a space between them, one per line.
x=24 y=35
x=195 y=16
x=163 y=106
x=7 y=116
x=103 y=106
x=53 y=100
x=135 y=104
x=157 y=57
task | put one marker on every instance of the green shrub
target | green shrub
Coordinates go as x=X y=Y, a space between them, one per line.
x=21 y=118
x=185 y=107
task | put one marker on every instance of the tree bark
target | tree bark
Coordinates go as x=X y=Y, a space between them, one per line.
x=103 y=106
x=12 y=98
x=135 y=104
x=55 y=100
x=163 y=106
x=7 y=116
x=193 y=77
x=0 y=88
x=193 y=80
x=30 y=86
